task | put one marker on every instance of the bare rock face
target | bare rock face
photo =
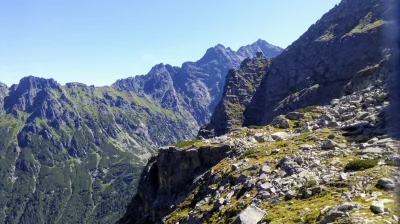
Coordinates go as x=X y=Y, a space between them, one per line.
x=342 y=47
x=239 y=89
x=3 y=92
x=167 y=178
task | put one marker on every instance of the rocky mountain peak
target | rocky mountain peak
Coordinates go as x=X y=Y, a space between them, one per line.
x=31 y=83
x=29 y=92
x=260 y=45
x=220 y=54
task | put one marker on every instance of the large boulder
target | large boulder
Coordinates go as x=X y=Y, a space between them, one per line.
x=280 y=136
x=386 y=184
x=294 y=116
x=280 y=122
x=251 y=215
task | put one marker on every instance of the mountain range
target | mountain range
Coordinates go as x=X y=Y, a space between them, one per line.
x=73 y=153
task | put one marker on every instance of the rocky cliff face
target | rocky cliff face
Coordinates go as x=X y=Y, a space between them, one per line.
x=240 y=86
x=316 y=67
x=164 y=185
x=332 y=160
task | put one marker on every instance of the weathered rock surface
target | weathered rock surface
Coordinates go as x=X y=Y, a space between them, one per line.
x=386 y=184
x=251 y=215
x=166 y=177
x=239 y=89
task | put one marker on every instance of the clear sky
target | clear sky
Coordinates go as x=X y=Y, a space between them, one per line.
x=100 y=41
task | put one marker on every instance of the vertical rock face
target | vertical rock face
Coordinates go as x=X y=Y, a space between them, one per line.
x=3 y=93
x=239 y=89
x=164 y=184
x=316 y=67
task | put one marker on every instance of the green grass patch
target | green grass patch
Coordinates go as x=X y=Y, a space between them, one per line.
x=247 y=153
x=187 y=143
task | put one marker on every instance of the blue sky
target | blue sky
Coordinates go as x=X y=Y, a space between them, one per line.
x=100 y=41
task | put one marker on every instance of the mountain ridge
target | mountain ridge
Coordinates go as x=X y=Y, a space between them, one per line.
x=73 y=153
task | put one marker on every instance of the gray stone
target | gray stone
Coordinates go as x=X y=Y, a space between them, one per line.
x=259 y=137
x=328 y=144
x=256 y=201
x=343 y=176
x=334 y=124
x=370 y=118
x=280 y=135
x=332 y=213
x=306 y=147
x=290 y=194
x=327 y=117
x=386 y=184
x=294 y=116
x=306 y=193
x=266 y=169
x=266 y=186
x=275 y=151
x=362 y=115
x=377 y=207
x=263 y=176
x=280 y=122
x=372 y=150
x=346 y=116
x=335 y=102
x=265 y=194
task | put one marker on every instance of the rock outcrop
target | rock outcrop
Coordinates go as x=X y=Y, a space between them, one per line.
x=167 y=177
x=239 y=89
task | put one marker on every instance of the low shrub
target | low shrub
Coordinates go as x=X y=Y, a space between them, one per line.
x=392 y=163
x=359 y=164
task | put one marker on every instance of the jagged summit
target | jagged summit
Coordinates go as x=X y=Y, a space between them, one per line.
x=219 y=53
x=2 y=85
x=260 y=45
